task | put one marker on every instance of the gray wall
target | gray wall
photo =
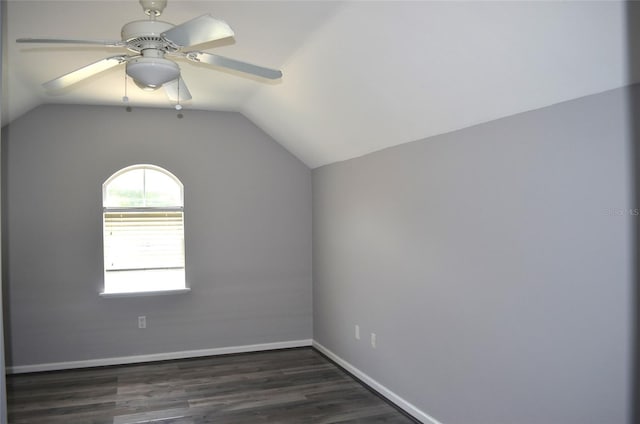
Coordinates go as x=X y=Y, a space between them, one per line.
x=494 y=263
x=3 y=393
x=247 y=229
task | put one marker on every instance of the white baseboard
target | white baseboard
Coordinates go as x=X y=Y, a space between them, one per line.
x=18 y=369
x=387 y=393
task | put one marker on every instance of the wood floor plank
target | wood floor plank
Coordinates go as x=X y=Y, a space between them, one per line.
x=286 y=386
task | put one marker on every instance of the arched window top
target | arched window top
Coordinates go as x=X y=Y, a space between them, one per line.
x=142 y=186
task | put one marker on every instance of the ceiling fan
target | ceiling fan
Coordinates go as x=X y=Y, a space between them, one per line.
x=151 y=42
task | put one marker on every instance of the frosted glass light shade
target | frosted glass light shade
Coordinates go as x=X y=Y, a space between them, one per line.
x=152 y=71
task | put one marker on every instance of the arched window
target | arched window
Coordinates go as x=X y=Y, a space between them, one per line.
x=143 y=208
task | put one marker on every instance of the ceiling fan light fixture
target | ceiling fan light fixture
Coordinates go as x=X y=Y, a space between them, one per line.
x=148 y=42
x=152 y=72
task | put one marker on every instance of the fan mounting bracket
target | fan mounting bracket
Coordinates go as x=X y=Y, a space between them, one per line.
x=153 y=8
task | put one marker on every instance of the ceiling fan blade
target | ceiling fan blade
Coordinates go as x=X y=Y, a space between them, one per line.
x=177 y=90
x=106 y=43
x=200 y=30
x=225 y=62
x=85 y=72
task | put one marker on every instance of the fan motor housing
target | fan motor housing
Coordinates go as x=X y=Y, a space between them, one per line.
x=140 y=35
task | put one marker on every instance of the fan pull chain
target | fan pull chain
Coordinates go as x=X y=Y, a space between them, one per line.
x=125 y=98
x=178 y=105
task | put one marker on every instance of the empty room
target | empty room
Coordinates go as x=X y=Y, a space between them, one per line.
x=319 y=212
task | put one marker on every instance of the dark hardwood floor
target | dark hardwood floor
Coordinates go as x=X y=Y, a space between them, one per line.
x=285 y=386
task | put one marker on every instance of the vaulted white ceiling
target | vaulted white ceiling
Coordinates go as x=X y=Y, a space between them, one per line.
x=359 y=76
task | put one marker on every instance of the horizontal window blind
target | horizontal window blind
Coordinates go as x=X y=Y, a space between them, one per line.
x=143 y=240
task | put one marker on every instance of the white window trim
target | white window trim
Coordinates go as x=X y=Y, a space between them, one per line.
x=145 y=293
x=141 y=293
x=141 y=166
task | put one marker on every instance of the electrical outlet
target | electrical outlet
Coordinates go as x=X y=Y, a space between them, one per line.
x=357 y=333
x=374 y=340
x=142 y=321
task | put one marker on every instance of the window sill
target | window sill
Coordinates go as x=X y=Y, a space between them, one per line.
x=145 y=293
